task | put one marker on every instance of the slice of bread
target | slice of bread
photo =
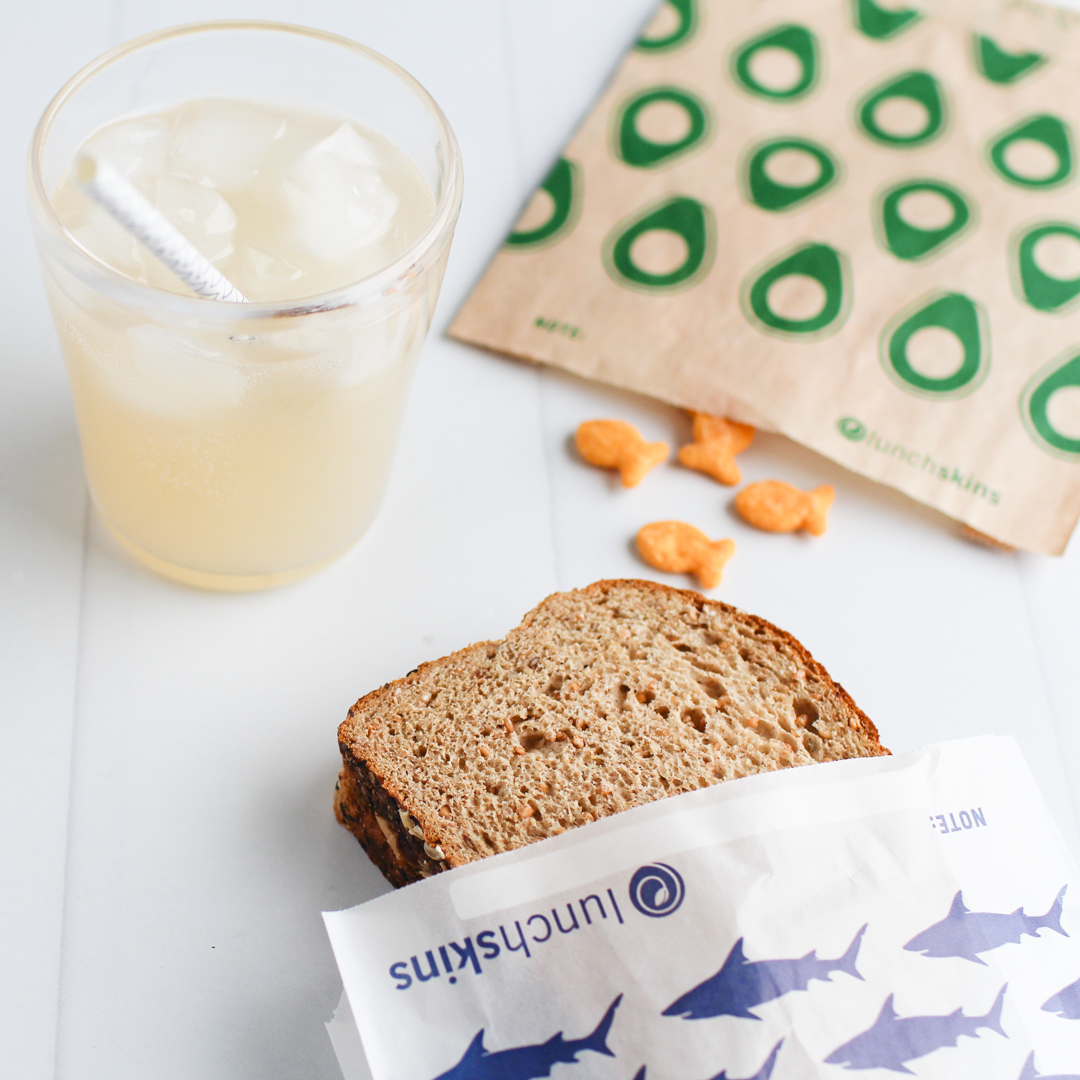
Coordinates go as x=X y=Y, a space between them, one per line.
x=603 y=698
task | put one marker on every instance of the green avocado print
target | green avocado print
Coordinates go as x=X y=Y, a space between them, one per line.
x=687 y=15
x=771 y=195
x=918 y=86
x=962 y=318
x=818 y=261
x=1003 y=67
x=643 y=153
x=1062 y=372
x=791 y=38
x=1041 y=290
x=687 y=219
x=883 y=23
x=908 y=241
x=563 y=184
x=1042 y=128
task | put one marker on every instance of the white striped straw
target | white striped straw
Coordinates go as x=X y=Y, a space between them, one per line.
x=154 y=230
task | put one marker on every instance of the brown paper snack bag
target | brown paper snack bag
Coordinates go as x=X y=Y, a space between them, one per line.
x=855 y=223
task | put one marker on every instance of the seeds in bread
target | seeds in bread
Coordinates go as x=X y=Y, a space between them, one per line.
x=602 y=699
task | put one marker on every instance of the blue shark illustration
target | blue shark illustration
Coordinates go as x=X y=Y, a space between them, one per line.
x=965 y=933
x=1029 y=1072
x=741 y=984
x=1066 y=1002
x=894 y=1040
x=762 y=1074
x=531 y=1061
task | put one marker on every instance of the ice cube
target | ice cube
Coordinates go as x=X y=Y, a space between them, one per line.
x=103 y=236
x=273 y=269
x=338 y=200
x=202 y=215
x=178 y=376
x=222 y=144
x=135 y=148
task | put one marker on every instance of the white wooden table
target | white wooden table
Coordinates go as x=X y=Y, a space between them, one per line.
x=167 y=756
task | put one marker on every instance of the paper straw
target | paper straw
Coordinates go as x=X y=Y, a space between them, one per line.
x=154 y=230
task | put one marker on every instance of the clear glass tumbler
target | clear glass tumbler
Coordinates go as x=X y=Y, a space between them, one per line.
x=241 y=446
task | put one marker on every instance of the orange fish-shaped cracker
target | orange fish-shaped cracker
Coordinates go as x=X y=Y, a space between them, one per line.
x=614 y=444
x=775 y=506
x=716 y=442
x=679 y=548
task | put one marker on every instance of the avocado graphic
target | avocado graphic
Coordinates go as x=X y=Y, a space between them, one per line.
x=961 y=317
x=770 y=194
x=635 y=149
x=1043 y=291
x=882 y=23
x=918 y=86
x=688 y=219
x=999 y=66
x=1063 y=371
x=793 y=39
x=686 y=12
x=908 y=241
x=1041 y=128
x=563 y=184
x=821 y=262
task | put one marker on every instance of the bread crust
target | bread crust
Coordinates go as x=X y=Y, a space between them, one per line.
x=400 y=837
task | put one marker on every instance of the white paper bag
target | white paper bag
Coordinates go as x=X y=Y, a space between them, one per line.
x=918 y=914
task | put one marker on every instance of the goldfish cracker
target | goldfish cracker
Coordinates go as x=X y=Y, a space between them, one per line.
x=679 y=548
x=716 y=442
x=976 y=537
x=614 y=444
x=775 y=506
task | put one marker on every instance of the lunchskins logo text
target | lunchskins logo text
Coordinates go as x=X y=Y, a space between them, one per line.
x=857 y=432
x=655 y=890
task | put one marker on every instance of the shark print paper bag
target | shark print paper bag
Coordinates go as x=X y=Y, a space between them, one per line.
x=856 y=223
x=915 y=915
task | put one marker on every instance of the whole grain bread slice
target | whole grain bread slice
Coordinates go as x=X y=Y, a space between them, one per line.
x=603 y=698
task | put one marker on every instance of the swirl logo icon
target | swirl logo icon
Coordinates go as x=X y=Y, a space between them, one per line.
x=656 y=890
x=852 y=429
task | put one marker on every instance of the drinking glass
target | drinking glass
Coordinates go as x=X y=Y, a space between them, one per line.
x=241 y=446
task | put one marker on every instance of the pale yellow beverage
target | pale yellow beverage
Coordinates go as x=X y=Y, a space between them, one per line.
x=238 y=452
